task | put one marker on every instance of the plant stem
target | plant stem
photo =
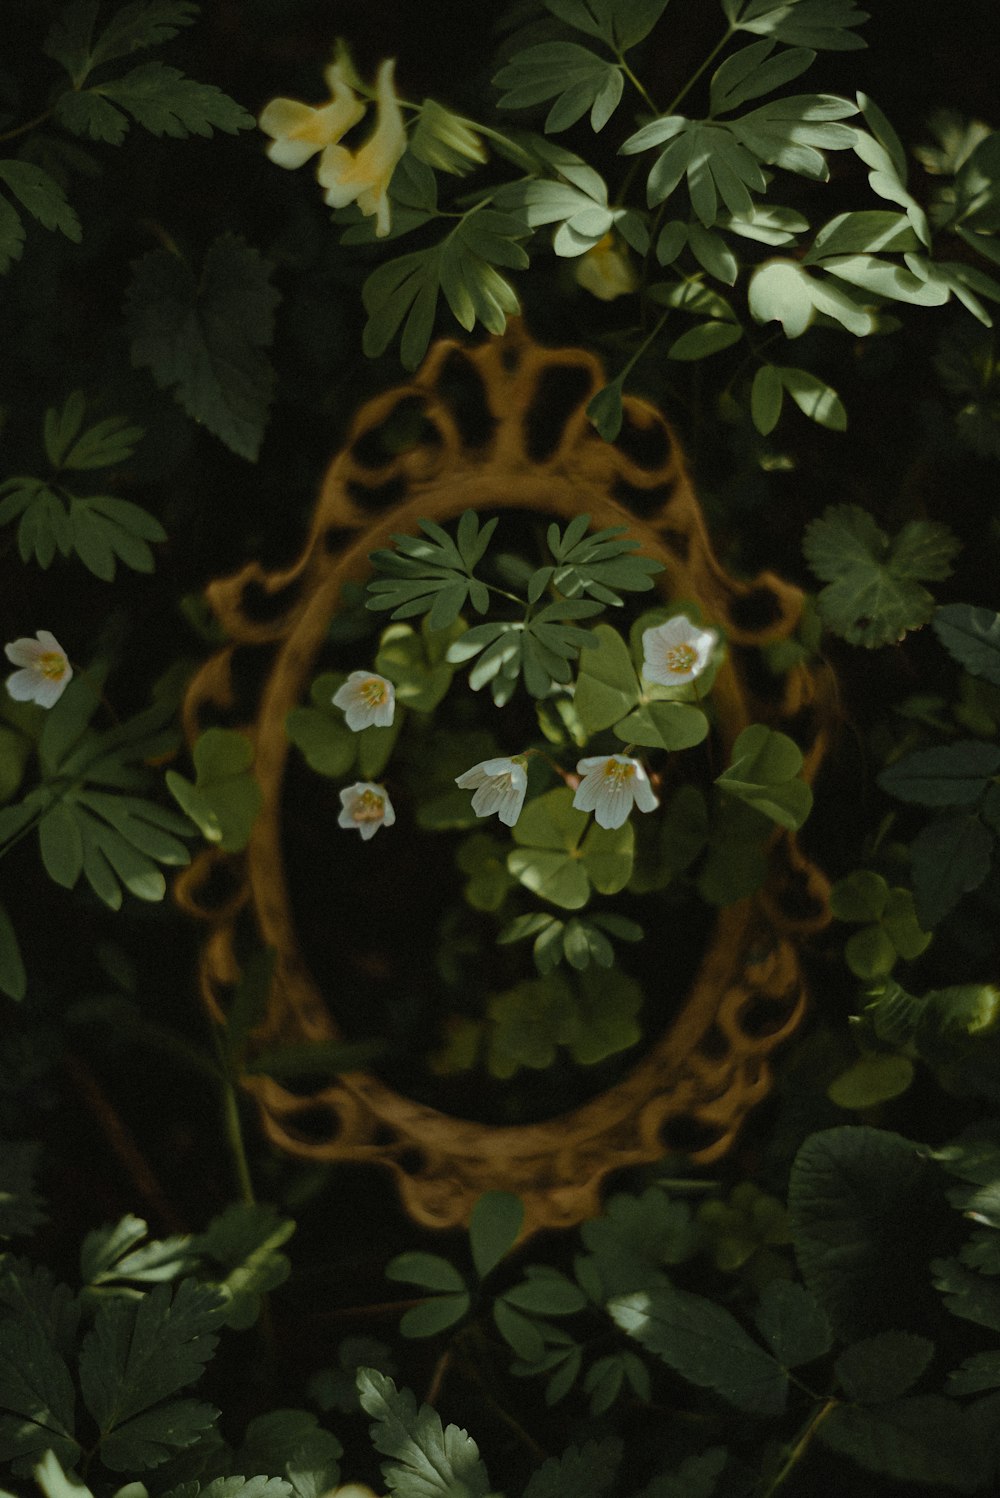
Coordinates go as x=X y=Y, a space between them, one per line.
x=800 y=1446
x=39 y=119
x=698 y=71
x=639 y=87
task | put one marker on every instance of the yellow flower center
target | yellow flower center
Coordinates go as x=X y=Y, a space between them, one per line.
x=374 y=691
x=681 y=658
x=52 y=665
x=368 y=807
x=614 y=770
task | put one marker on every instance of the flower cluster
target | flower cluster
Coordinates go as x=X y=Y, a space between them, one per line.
x=298 y=131
x=45 y=669
x=368 y=701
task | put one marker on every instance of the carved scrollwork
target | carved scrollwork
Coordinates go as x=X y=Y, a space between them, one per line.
x=503 y=427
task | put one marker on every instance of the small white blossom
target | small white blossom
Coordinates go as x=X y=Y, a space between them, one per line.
x=366 y=699
x=677 y=651
x=45 y=673
x=499 y=785
x=611 y=786
x=366 y=807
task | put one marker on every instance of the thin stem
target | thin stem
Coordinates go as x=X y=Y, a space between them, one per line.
x=12 y=842
x=636 y=84
x=698 y=72
x=232 y=1125
x=801 y=1445
x=39 y=119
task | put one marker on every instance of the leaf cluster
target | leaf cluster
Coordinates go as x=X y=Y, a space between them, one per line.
x=100 y=529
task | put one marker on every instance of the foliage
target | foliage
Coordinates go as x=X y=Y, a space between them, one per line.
x=186 y=1310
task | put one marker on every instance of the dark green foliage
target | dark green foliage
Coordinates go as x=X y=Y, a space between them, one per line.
x=204 y=336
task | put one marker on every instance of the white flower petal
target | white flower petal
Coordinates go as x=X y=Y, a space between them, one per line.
x=366 y=699
x=46 y=669
x=611 y=786
x=677 y=651
x=365 y=807
x=23 y=685
x=499 y=786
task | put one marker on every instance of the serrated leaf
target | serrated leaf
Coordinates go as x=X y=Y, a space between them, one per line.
x=874 y=593
x=792 y=1323
x=954 y=774
x=972 y=637
x=42 y=196
x=924 y=1439
x=205 y=338
x=426 y=1459
x=705 y=1344
x=164 y=102
x=291 y=1444
x=950 y=857
x=883 y=1367
x=858 y=1198
x=36 y=1392
x=118 y=1252
x=141 y=24
x=586 y=1472
x=139 y=1353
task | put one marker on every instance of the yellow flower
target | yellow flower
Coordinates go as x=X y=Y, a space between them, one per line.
x=363 y=176
x=298 y=131
x=606 y=270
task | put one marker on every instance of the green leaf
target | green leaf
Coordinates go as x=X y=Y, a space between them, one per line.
x=824 y=24
x=13 y=977
x=585 y=1472
x=138 y=1354
x=416 y=664
x=607 y=686
x=950 y=857
x=21 y=1208
x=706 y=339
x=42 y=196
x=696 y=1477
x=720 y=172
x=225 y=798
x=484 y=859
x=792 y=1323
x=705 y=1344
x=119 y=1252
x=883 y=1367
x=426 y=1459
x=204 y=338
x=605 y=411
x=36 y=1390
x=664 y=725
x=924 y=1439
x=978 y=1372
x=429 y=1271
x=143 y=23
x=546 y=1292
x=753 y=71
x=872 y=1079
x=955 y=774
x=972 y=637
x=637 y=1237
x=620 y=23
x=766 y=396
x=328 y=745
x=858 y=1199
x=246 y=1239
x=520 y=1333
x=292 y=1445
x=874 y=595
x=865 y=232
x=578 y=79
x=496 y=1221
x=763 y=773
x=814 y=397
x=11 y=236
x=784 y=291
x=435 y=1315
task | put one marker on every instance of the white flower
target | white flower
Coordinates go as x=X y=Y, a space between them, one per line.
x=46 y=670
x=364 y=175
x=366 y=699
x=611 y=785
x=366 y=807
x=298 y=131
x=499 y=785
x=677 y=651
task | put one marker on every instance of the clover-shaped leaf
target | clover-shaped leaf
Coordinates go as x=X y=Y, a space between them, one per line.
x=888 y=920
x=874 y=593
x=556 y=861
x=225 y=798
x=764 y=773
